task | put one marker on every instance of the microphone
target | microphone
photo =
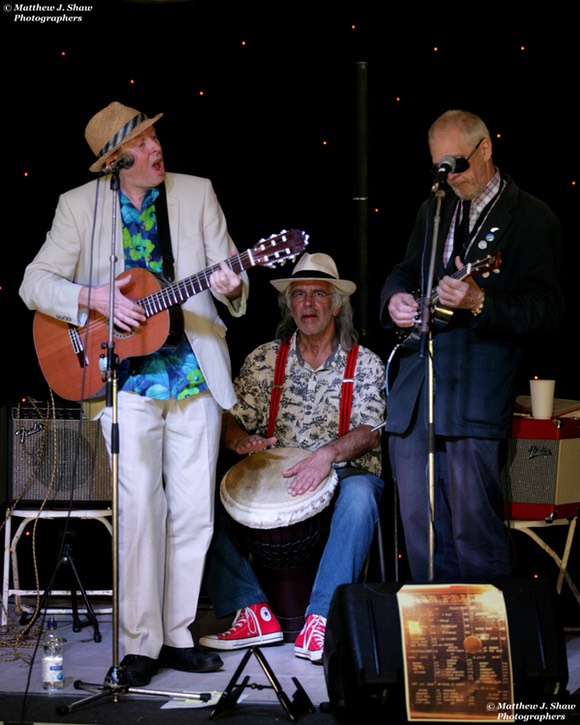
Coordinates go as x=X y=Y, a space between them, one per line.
x=446 y=167
x=123 y=161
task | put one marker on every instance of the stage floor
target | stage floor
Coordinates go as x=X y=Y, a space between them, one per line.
x=22 y=699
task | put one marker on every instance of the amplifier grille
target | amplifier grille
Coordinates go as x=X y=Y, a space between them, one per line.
x=55 y=456
x=530 y=475
x=542 y=471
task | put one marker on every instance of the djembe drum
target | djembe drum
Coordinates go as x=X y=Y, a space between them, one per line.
x=283 y=534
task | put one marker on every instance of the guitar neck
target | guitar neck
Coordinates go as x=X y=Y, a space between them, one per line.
x=177 y=293
x=459 y=275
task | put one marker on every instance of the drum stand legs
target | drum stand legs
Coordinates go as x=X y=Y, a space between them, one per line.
x=300 y=702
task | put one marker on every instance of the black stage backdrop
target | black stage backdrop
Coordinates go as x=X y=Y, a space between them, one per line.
x=304 y=115
x=307 y=115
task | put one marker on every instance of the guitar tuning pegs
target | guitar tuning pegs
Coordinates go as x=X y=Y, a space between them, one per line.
x=497 y=270
x=485 y=275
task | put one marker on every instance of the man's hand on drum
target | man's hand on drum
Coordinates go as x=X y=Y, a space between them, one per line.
x=309 y=473
x=252 y=443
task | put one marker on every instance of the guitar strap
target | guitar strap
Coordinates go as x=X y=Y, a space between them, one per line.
x=164 y=241
x=163 y=233
x=345 y=393
x=479 y=222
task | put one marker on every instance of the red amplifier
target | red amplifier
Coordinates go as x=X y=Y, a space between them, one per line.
x=541 y=477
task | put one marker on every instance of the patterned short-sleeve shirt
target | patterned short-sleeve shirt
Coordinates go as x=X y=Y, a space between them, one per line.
x=168 y=372
x=308 y=415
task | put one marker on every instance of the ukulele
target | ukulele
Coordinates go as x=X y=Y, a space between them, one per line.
x=410 y=336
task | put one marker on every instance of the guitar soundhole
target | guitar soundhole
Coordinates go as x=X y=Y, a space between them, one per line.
x=122 y=334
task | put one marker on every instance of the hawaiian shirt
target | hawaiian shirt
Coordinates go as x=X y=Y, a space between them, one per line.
x=169 y=372
x=308 y=416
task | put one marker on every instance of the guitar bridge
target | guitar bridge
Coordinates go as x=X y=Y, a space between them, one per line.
x=77 y=345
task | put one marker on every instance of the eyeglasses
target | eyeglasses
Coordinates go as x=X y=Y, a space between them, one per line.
x=461 y=162
x=318 y=295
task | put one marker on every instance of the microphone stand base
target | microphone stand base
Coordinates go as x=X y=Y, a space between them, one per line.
x=116 y=685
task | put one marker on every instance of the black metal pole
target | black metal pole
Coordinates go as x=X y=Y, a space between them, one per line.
x=361 y=199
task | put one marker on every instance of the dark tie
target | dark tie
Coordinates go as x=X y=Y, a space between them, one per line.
x=461 y=236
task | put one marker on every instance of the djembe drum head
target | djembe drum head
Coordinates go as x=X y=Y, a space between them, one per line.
x=280 y=530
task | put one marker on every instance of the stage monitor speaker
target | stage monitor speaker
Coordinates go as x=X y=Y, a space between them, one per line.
x=54 y=456
x=540 y=476
x=363 y=653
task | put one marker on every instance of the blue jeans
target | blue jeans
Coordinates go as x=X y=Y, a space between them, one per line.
x=232 y=584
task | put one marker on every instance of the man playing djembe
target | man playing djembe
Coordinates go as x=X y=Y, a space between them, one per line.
x=314 y=388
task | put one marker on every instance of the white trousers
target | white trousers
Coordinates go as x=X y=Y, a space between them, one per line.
x=167 y=464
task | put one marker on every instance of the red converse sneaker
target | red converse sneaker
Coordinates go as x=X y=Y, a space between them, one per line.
x=310 y=642
x=252 y=626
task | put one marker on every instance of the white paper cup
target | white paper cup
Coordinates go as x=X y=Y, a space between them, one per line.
x=542 y=394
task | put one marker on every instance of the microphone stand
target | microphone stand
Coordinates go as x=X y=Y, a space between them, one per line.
x=115 y=682
x=426 y=349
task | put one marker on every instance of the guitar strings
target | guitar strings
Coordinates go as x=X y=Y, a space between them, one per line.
x=86 y=341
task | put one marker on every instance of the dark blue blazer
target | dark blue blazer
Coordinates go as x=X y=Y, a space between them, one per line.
x=475 y=358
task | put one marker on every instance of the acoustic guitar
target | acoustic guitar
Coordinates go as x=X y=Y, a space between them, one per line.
x=73 y=359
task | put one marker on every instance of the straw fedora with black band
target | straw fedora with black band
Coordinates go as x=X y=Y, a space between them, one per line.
x=314 y=268
x=112 y=127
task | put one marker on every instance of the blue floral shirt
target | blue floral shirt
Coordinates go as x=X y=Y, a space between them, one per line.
x=169 y=372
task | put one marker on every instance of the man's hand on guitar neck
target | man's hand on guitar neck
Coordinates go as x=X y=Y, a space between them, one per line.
x=224 y=281
x=127 y=314
x=458 y=294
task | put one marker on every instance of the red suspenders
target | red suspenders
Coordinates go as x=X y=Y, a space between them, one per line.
x=279 y=373
x=345 y=393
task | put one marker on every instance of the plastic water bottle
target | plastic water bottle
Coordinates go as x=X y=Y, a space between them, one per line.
x=52 y=669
